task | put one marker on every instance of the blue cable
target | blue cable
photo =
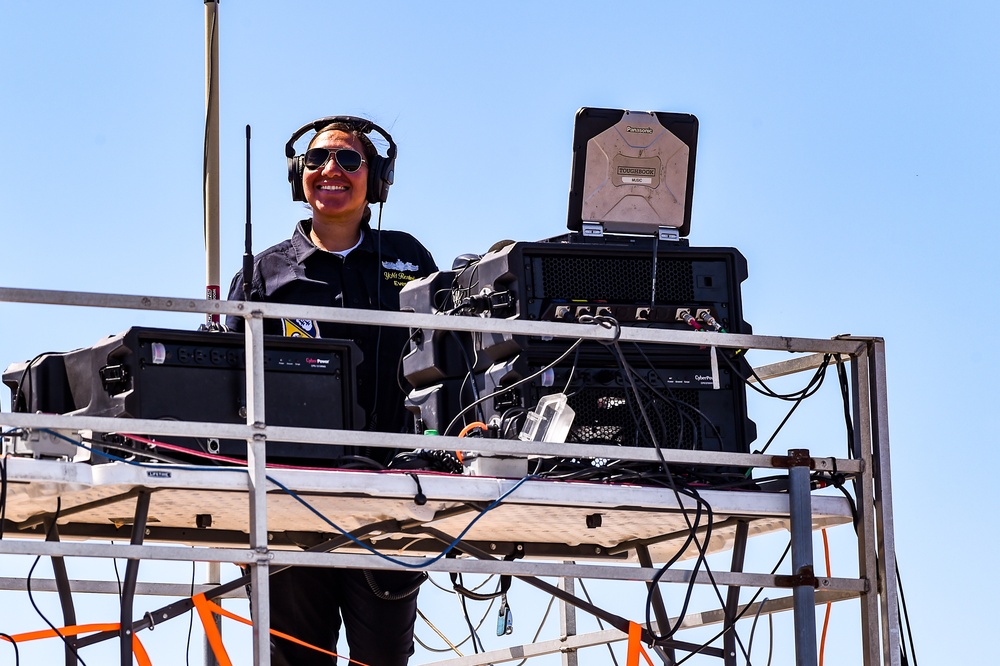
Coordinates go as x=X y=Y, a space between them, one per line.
x=451 y=546
x=389 y=558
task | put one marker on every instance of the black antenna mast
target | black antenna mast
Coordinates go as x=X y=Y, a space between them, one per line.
x=248 y=250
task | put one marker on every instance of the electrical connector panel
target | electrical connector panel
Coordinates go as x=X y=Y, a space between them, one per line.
x=634 y=280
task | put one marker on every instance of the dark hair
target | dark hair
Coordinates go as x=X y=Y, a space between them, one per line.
x=371 y=153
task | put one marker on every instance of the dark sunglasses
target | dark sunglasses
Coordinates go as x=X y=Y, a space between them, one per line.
x=348 y=159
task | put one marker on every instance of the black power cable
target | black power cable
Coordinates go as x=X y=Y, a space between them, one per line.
x=905 y=619
x=761 y=386
x=701 y=546
x=470 y=378
x=669 y=398
x=19 y=399
x=453 y=647
x=477 y=644
x=10 y=639
x=809 y=390
x=600 y=624
x=845 y=392
x=190 y=630
x=634 y=399
x=69 y=644
x=746 y=607
x=692 y=525
x=511 y=387
x=753 y=627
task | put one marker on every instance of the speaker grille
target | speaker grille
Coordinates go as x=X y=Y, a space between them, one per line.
x=615 y=279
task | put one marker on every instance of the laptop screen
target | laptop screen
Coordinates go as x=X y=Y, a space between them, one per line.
x=633 y=171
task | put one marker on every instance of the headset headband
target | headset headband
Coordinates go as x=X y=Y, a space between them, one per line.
x=360 y=125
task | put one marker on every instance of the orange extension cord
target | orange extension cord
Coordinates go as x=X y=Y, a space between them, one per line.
x=826 y=619
x=465 y=432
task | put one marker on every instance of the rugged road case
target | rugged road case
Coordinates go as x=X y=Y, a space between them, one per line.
x=150 y=373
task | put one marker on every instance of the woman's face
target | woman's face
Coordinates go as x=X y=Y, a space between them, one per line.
x=335 y=194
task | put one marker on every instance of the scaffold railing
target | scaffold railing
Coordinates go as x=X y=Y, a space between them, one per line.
x=380 y=509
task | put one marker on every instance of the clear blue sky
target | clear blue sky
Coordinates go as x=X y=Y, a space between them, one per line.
x=848 y=149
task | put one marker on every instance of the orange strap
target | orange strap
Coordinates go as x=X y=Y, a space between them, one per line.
x=635 y=646
x=206 y=608
x=139 y=651
x=137 y=647
x=65 y=631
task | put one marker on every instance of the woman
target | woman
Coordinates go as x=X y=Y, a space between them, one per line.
x=335 y=259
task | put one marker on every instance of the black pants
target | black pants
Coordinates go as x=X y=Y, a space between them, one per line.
x=311 y=603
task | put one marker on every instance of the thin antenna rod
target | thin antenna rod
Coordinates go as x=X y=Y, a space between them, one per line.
x=248 y=250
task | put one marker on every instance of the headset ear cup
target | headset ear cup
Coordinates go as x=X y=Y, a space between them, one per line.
x=375 y=194
x=380 y=175
x=296 y=167
x=388 y=174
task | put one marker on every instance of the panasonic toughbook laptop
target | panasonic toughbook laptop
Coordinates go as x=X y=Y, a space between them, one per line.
x=633 y=171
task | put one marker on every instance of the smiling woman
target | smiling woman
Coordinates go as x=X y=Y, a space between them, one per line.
x=336 y=259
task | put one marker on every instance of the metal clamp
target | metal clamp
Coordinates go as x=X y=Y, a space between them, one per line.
x=805 y=576
x=795 y=458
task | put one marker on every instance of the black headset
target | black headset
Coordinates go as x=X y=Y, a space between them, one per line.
x=381 y=170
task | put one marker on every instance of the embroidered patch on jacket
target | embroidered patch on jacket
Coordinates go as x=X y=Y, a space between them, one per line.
x=300 y=328
x=399 y=272
x=400 y=265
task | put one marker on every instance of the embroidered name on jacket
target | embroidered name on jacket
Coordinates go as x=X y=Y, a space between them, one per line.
x=399 y=272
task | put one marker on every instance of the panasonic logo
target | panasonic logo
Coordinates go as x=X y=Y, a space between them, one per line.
x=636 y=171
x=638 y=130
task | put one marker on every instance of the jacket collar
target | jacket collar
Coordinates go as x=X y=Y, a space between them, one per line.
x=305 y=248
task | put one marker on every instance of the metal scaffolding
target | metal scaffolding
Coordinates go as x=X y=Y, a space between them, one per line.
x=254 y=510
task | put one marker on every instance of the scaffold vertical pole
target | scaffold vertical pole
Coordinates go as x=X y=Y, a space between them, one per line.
x=733 y=594
x=214 y=577
x=885 y=535
x=862 y=440
x=803 y=592
x=259 y=585
x=567 y=622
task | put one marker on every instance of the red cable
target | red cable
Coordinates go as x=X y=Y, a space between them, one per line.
x=212 y=456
